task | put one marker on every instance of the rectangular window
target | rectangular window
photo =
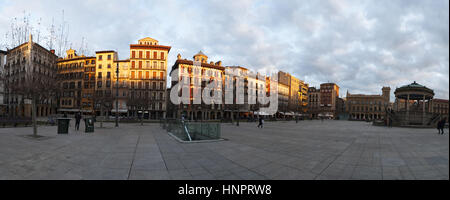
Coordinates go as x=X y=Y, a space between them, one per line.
x=133 y=54
x=140 y=74
x=155 y=55
x=109 y=57
x=108 y=75
x=132 y=64
x=148 y=54
x=132 y=84
x=99 y=75
x=147 y=64
x=109 y=66
x=154 y=75
x=162 y=55
x=147 y=74
x=140 y=54
x=99 y=84
x=161 y=74
x=161 y=66
x=100 y=57
x=100 y=66
x=140 y=64
x=132 y=74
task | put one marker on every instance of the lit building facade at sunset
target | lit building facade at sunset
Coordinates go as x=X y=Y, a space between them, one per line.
x=76 y=80
x=148 y=77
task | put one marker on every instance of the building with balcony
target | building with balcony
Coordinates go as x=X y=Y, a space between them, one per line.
x=30 y=75
x=2 y=84
x=368 y=107
x=304 y=98
x=329 y=94
x=121 y=87
x=190 y=74
x=104 y=69
x=76 y=80
x=313 y=102
x=284 y=82
x=439 y=106
x=147 y=78
x=292 y=95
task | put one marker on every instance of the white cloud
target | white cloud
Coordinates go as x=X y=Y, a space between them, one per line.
x=361 y=45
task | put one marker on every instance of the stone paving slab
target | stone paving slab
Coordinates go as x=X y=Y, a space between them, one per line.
x=308 y=150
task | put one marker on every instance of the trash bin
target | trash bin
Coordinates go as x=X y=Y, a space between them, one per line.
x=63 y=125
x=89 y=125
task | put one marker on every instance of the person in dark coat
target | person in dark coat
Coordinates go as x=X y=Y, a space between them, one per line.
x=440 y=126
x=260 y=125
x=77 y=121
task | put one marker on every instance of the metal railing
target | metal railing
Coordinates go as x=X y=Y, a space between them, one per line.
x=189 y=131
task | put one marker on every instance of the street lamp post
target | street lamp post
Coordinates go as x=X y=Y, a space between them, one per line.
x=238 y=111
x=117 y=95
x=238 y=115
x=296 y=117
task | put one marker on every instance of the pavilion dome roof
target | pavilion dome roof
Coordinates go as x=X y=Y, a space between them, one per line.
x=413 y=85
x=413 y=89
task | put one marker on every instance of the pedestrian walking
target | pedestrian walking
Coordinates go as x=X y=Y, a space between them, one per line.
x=261 y=122
x=77 y=121
x=440 y=126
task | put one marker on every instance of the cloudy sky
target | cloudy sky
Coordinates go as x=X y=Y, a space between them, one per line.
x=361 y=45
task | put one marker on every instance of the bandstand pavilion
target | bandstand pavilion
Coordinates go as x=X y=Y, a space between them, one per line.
x=413 y=105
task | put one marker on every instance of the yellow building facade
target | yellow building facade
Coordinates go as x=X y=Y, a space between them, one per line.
x=76 y=83
x=147 y=78
x=103 y=98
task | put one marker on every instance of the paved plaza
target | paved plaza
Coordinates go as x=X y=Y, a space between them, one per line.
x=308 y=150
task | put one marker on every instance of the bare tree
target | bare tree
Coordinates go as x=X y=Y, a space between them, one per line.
x=103 y=101
x=137 y=101
x=142 y=102
x=38 y=89
x=56 y=89
x=55 y=36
